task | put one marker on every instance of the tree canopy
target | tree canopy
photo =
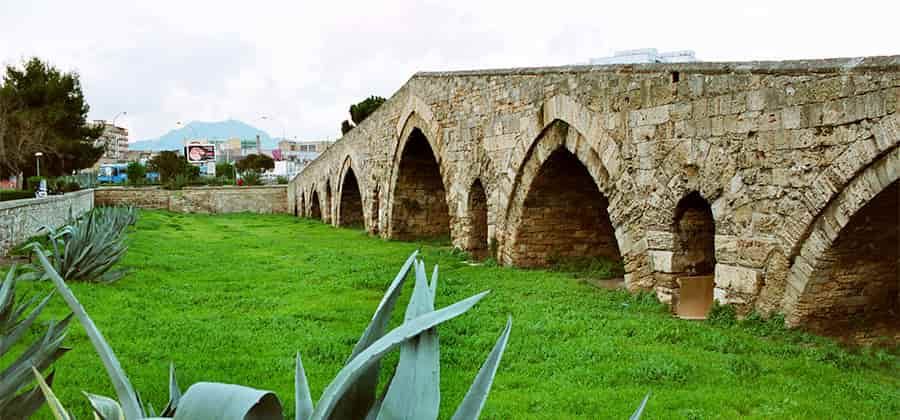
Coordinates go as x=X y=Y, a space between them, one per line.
x=255 y=163
x=359 y=112
x=44 y=110
x=169 y=165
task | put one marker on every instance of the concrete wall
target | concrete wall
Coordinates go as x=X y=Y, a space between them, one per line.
x=782 y=152
x=260 y=199
x=22 y=219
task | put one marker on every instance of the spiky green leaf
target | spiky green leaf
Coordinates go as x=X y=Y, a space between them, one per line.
x=216 y=401
x=473 y=402
x=373 y=353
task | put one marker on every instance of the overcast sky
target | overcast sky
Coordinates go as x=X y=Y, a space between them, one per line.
x=304 y=62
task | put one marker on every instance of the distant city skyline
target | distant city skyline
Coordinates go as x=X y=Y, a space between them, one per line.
x=302 y=65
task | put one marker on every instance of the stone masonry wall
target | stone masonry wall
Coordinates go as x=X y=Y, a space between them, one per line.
x=783 y=152
x=211 y=200
x=22 y=219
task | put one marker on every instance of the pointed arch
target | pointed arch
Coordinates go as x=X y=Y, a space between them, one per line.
x=477 y=221
x=847 y=271
x=349 y=210
x=328 y=204
x=558 y=210
x=315 y=210
x=418 y=204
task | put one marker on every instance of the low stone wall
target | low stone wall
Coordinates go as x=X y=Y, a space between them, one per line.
x=22 y=219
x=260 y=199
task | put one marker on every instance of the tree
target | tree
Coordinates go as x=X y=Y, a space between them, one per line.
x=360 y=111
x=255 y=163
x=136 y=172
x=225 y=169
x=346 y=127
x=169 y=165
x=43 y=110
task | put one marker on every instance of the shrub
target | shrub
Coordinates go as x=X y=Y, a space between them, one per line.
x=7 y=195
x=33 y=182
x=88 y=247
x=15 y=401
x=281 y=180
x=225 y=170
x=137 y=173
x=251 y=178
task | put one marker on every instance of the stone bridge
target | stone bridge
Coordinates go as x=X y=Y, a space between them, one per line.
x=780 y=179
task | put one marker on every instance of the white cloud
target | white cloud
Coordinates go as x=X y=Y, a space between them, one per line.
x=303 y=63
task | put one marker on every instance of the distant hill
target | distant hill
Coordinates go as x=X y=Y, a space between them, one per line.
x=219 y=130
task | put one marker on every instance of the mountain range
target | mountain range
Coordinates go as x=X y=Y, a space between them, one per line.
x=218 y=130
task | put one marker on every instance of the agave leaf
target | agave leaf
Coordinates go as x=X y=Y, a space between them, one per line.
x=360 y=396
x=373 y=353
x=473 y=402
x=417 y=377
x=24 y=405
x=434 y=277
x=640 y=410
x=303 y=405
x=12 y=337
x=105 y=408
x=40 y=355
x=174 y=394
x=55 y=406
x=216 y=401
x=124 y=390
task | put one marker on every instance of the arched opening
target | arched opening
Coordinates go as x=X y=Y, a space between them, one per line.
x=315 y=212
x=300 y=208
x=351 y=208
x=326 y=212
x=376 y=203
x=694 y=250
x=854 y=292
x=419 y=207
x=564 y=217
x=694 y=256
x=477 y=221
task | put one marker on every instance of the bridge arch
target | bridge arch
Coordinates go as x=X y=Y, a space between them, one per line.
x=418 y=198
x=558 y=209
x=846 y=275
x=315 y=209
x=349 y=208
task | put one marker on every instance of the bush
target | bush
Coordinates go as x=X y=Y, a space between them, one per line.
x=16 y=401
x=7 y=195
x=137 y=173
x=88 y=247
x=251 y=178
x=281 y=180
x=225 y=170
x=33 y=182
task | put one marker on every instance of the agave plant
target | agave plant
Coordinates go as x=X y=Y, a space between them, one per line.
x=88 y=247
x=413 y=393
x=15 y=401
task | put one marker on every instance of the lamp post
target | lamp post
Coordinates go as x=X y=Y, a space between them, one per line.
x=37 y=158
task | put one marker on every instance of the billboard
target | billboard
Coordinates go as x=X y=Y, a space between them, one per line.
x=200 y=153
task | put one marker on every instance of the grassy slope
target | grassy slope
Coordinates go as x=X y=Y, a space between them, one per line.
x=232 y=298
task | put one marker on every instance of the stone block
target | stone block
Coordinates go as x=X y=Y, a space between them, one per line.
x=737 y=279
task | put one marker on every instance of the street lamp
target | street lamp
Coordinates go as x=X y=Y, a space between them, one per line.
x=117 y=116
x=37 y=157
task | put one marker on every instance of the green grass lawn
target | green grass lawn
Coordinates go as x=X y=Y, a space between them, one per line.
x=233 y=298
